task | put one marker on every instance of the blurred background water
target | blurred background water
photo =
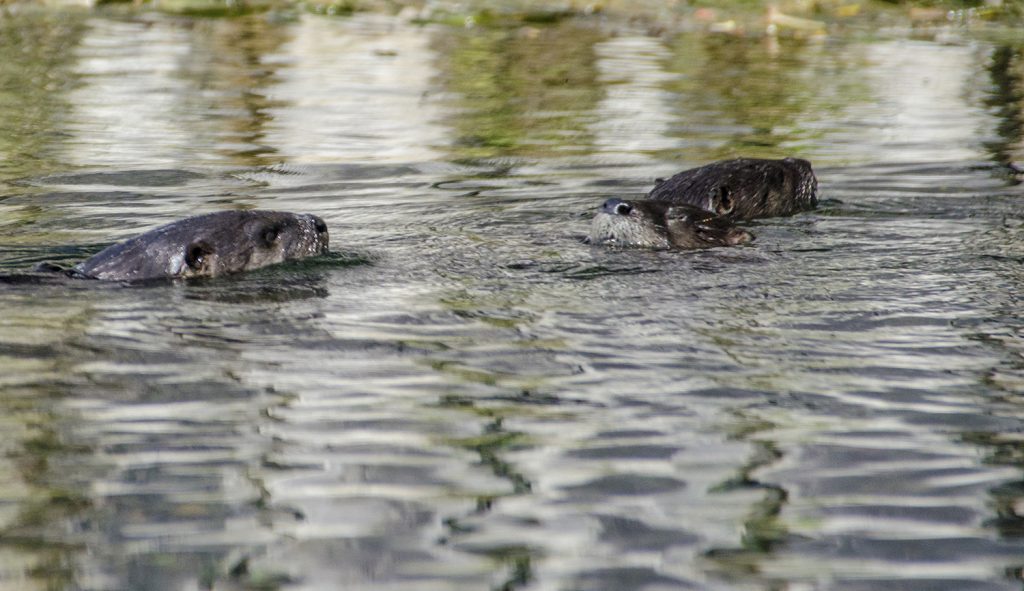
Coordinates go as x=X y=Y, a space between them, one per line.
x=466 y=396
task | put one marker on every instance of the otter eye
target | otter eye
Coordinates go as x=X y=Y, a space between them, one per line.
x=196 y=254
x=269 y=235
x=623 y=208
x=320 y=226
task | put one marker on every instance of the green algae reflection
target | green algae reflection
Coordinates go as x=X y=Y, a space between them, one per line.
x=520 y=91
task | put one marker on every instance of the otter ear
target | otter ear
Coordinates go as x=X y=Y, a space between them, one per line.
x=721 y=200
x=197 y=253
x=269 y=235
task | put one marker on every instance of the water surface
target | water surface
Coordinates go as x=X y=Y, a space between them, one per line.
x=464 y=395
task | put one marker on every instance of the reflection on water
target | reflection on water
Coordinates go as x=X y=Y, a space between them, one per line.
x=129 y=123
x=633 y=118
x=1007 y=73
x=758 y=96
x=512 y=92
x=33 y=90
x=925 y=121
x=464 y=395
x=339 y=92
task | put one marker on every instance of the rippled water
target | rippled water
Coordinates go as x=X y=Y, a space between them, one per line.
x=466 y=396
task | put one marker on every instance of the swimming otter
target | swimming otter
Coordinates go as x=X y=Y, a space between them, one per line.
x=744 y=188
x=209 y=245
x=656 y=224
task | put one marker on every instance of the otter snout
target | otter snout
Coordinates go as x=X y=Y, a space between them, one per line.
x=321 y=237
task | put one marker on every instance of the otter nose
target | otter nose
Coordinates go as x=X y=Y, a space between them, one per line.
x=616 y=206
x=319 y=225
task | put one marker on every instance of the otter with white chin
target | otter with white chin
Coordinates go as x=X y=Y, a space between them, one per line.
x=209 y=245
x=644 y=223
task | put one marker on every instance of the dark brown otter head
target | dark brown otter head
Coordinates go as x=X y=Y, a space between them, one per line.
x=744 y=188
x=209 y=245
x=654 y=224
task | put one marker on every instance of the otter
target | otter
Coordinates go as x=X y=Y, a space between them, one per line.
x=744 y=188
x=208 y=245
x=659 y=225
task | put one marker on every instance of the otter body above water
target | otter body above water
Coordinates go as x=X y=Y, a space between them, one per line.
x=209 y=245
x=655 y=224
x=744 y=188
x=696 y=208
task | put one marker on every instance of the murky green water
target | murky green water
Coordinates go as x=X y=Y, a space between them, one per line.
x=464 y=395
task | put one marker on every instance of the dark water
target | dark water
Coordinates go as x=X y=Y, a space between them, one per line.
x=464 y=395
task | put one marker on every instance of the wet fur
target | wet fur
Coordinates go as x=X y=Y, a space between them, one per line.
x=659 y=225
x=209 y=245
x=744 y=188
